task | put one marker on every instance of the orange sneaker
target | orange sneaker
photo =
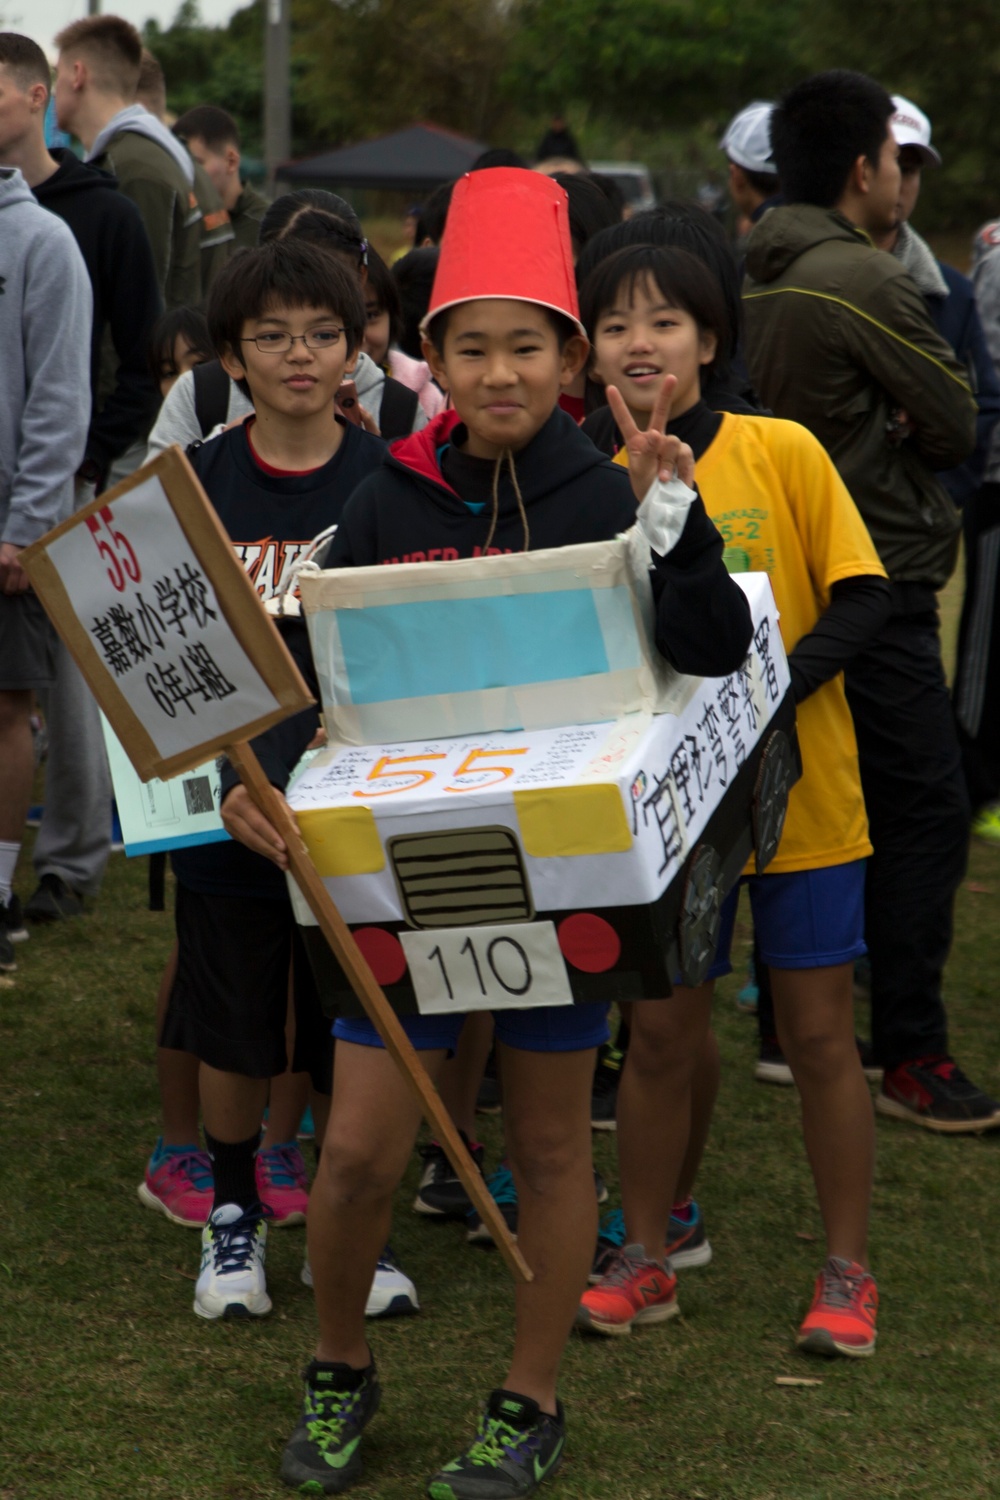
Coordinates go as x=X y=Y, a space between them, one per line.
x=633 y=1290
x=844 y=1308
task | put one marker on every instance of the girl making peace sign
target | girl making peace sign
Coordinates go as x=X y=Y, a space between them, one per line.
x=656 y=318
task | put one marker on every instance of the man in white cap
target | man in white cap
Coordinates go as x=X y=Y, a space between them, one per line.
x=753 y=177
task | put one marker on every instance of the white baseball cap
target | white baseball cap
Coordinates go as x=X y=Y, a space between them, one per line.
x=911 y=127
x=747 y=140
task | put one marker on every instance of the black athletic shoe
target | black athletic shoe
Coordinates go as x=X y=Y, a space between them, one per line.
x=935 y=1093
x=53 y=901
x=441 y=1194
x=322 y=1455
x=489 y=1100
x=604 y=1097
x=516 y=1448
x=12 y=930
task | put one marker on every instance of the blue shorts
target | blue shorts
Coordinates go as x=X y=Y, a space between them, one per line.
x=810 y=919
x=540 y=1028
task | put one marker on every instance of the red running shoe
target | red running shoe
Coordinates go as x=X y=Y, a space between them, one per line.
x=633 y=1290
x=935 y=1093
x=844 y=1308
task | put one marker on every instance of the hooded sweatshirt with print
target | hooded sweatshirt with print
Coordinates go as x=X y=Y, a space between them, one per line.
x=839 y=338
x=45 y=320
x=155 y=171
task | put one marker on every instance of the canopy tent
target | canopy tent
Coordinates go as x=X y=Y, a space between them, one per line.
x=413 y=160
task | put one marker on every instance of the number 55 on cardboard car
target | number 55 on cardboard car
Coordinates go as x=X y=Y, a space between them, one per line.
x=558 y=815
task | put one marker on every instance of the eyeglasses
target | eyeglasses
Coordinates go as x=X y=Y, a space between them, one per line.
x=280 y=343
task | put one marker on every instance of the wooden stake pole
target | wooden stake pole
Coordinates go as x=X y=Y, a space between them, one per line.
x=377 y=1007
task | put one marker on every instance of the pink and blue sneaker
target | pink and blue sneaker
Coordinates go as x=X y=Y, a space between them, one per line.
x=179 y=1183
x=283 y=1183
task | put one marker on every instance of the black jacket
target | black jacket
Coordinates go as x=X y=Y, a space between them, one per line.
x=408 y=512
x=271 y=520
x=112 y=238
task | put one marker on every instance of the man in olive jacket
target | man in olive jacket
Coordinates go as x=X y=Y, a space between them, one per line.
x=839 y=338
x=96 y=78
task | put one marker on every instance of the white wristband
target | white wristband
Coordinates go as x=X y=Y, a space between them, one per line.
x=662 y=515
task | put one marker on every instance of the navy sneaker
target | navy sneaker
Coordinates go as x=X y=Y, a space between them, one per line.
x=441 y=1194
x=504 y=1195
x=517 y=1447
x=322 y=1455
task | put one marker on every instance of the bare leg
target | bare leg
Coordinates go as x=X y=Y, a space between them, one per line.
x=17 y=764
x=231 y=1105
x=815 y=1015
x=654 y=1109
x=547 y=1115
x=289 y=1091
x=704 y=1091
x=463 y=1073
x=369 y=1138
x=176 y=1072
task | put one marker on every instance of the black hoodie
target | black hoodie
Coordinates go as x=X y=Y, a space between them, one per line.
x=408 y=511
x=112 y=238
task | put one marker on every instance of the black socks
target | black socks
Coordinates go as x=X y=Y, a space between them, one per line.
x=233 y=1169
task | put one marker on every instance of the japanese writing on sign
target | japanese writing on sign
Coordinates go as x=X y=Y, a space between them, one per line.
x=719 y=727
x=142 y=595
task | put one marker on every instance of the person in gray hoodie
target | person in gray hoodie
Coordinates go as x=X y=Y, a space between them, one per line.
x=45 y=321
x=96 y=79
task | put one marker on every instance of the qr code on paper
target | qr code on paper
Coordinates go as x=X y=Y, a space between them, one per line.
x=198 y=795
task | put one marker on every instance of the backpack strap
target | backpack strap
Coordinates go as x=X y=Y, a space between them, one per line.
x=211 y=395
x=398 y=409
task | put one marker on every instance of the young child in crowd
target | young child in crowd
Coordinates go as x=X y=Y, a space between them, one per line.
x=505 y=471
x=285 y=319
x=384 y=331
x=776 y=497
x=179 y=341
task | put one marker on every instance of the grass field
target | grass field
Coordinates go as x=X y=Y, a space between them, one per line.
x=110 y=1387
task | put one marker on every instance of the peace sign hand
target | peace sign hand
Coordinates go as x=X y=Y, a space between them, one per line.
x=652 y=454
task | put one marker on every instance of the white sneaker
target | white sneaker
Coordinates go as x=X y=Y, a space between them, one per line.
x=231 y=1283
x=392 y=1293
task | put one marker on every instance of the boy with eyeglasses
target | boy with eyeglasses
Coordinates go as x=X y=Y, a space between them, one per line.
x=285 y=320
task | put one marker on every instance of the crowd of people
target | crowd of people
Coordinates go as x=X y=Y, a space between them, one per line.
x=816 y=400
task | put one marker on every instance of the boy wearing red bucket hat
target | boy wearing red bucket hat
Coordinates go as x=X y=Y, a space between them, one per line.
x=505 y=471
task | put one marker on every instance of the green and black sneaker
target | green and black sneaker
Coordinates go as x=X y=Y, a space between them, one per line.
x=516 y=1448
x=321 y=1457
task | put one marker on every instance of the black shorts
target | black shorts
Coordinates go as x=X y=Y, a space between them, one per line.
x=229 y=1001
x=27 y=644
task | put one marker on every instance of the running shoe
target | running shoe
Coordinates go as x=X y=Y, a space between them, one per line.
x=633 y=1290
x=842 y=1317
x=392 y=1292
x=771 y=1066
x=489 y=1100
x=283 y=1183
x=748 y=996
x=53 y=901
x=986 y=823
x=441 y=1194
x=307 y=1126
x=12 y=920
x=322 y=1455
x=604 y=1096
x=517 y=1447
x=231 y=1283
x=935 y=1093
x=504 y=1194
x=179 y=1183
x=687 y=1244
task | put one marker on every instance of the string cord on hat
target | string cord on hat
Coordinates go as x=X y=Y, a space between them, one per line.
x=508 y=455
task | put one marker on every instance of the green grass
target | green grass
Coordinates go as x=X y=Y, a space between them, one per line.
x=110 y=1387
